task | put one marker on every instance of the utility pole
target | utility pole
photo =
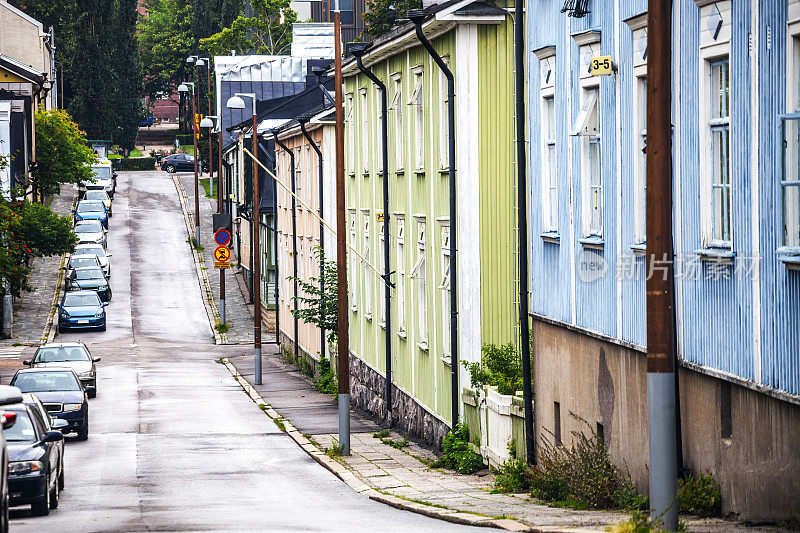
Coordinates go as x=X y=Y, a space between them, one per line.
x=195 y=133
x=257 y=251
x=660 y=270
x=343 y=344
x=219 y=211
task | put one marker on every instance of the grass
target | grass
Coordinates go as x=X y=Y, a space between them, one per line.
x=280 y=424
x=334 y=451
x=206 y=183
x=384 y=437
x=193 y=243
x=135 y=153
x=221 y=327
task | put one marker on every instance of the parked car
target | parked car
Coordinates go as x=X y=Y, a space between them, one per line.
x=97 y=251
x=8 y=396
x=33 y=401
x=78 y=261
x=36 y=461
x=181 y=163
x=90 y=232
x=100 y=196
x=147 y=121
x=74 y=355
x=81 y=310
x=61 y=393
x=104 y=179
x=91 y=210
x=90 y=278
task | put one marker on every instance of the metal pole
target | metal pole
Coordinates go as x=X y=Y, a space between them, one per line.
x=219 y=211
x=321 y=197
x=343 y=345
x=417 y=17
x=256 y=250
x=210 y=151
x=522 y=213
x=195 y=131
x=294 y=241
x=660 y=311
x=387 y=294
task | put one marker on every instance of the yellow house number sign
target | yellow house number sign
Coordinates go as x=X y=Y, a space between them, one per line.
x=601 y=66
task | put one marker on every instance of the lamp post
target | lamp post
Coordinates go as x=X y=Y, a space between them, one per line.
x=183 y=88
x=236 y=102
x=208 y=123
x=199 y=62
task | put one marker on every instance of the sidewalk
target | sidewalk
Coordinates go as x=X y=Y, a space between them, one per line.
x=33 y=310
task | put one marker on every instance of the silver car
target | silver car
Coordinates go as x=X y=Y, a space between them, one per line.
x=90 y=232
x=96 y=250
x=79 y=261
x=100 y=196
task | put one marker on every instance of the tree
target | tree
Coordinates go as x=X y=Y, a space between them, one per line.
x=316 y=306
x=62 y=155
x=127 y=69
x=268 y=31
x=382 y=15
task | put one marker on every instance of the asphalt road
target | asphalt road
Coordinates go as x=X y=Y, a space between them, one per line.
x=174 y=443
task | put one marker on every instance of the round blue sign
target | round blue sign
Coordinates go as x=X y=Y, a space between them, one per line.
x=222 y=237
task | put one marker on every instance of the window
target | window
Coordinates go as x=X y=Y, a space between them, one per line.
x=420 y=275
x=417 y=101
x=640 y=161
x=588 y=128
x=353 y=268
x=444 y=287
x=549 y=189
x=347 y=16
x=365 y=251
x=397 y=107
x=719 y=124
x=400 y=291
x=790 y=181
x=365 y=136
x=378 y=136
x=381 y=287
x=444 y=130
x=298 y=173
x=349 y=129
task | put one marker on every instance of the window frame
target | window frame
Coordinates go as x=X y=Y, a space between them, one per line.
x=397 y=107
x=549 y=170
x=785 y=184
x=420 y=274
x=445 y=286
x=366 y=252
x=364 y=128
x=417 y=100
x=400 y=261
x=353 y=266
x=444 y=130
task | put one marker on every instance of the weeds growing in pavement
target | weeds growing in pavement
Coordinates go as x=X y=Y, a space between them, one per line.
x=581 y=475
x=381 y=434
x=194 y=244
x=458 y=454
x=385 y=437
x=221 y=327
x=325 y=381
x=640 y=522
x=514 y=475
x=280 y=424
x=699 y=495
x=334 y=451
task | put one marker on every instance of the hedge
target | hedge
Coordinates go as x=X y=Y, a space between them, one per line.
x=184 y=139
x=137 y=163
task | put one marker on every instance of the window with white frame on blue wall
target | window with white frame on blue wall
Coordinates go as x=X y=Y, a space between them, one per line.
x=548 y=134
x=789 y=174
x=638 y=135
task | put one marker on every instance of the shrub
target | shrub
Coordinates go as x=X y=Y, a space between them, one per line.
x=458 y=455
x=582 y=475
x=326 y=380
x=514 y=475
x=699 y=495
x=500 y=366
x=185 y=139
x=137 y=163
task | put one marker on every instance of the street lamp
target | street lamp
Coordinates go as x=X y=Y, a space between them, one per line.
x=184 y=88
x=208 y=122
x=237 y=102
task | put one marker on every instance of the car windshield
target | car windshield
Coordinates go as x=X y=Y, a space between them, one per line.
x=22 y=430
x=88 y=226
x=91 y=250
x=79 y=261
x=46 y=382
x=89 y=273
x=60 y=354
x=90 y=207
x=81 y=300
x=101 y=173
x=100 y=196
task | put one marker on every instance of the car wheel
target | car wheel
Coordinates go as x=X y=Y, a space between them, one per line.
x=170 y=169
x=4 y=516
x=54 y=494
x=42 y=507
x=61 y=479
x=83 y=432
x=93 y=394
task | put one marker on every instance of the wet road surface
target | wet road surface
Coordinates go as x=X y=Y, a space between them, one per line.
x=174 y=443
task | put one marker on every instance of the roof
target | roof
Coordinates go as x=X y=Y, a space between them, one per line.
x=288 y=107
x=22 y=70
x=48 y=368
x=61 y=344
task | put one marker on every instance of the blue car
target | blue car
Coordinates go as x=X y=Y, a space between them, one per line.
x=81 y=310
x=61 y=393
x=91 y=210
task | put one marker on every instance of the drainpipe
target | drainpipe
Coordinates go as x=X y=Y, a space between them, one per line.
x=522 y=210
x=358 y=50
x=303 y=121
x=417 y=16
x=294 y=240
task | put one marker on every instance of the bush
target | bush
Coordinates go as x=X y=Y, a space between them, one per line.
x=500 y=366
x=458 y=455
x=582 y=475
x=326 y=380
x=137 y=163
x=699 y=495
x=185 y=139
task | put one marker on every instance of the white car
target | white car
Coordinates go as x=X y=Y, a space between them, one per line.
x=90 y=232
x=99 y=196
x=98 y=251
x=103 y=176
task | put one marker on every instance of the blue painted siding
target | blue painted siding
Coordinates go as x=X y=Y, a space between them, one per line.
x=717 y=315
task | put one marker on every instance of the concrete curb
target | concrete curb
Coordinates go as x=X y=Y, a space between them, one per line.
x=200 y=267
x=342 y=472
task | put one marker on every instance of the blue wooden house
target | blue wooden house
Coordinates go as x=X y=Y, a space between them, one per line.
x=736 y=118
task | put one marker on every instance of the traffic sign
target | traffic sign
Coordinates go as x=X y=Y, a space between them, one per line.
x=222 y=254
x=221 y=265
x=222 y=237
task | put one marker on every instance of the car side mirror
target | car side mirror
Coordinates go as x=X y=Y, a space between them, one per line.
x=27 y=362
x=105 y=304
x=90 y=390
x=9 y=419
x=115 y=174
x=109 y=255
x=96 y=359
x=53 y=436
x=59 y=423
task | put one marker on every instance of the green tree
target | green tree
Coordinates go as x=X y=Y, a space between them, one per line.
x=315 y=305
x=62 y=155
x=268 y=31
x=380 y=19
x=127 y=71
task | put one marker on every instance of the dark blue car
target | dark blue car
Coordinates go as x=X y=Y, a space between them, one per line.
x=91 y=210
x=81 y=310
x=61 y=392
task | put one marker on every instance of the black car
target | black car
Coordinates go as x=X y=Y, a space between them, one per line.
x=90 y=279
x=181 y=163
x=8 y=396
x=35 y=460
x=61 y=393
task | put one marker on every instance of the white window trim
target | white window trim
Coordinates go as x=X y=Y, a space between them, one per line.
x=353 y=263
x=417 y=100
x=397 y=107
x=792 y=106
x=549 y=139
x=420 y=274
x=444 y=161
x=400 y=289
x=381 y=255
x=639 y=139
x=350 y=131
x=366 y=252
x=444 y=286
x=364 y=141
x=589 y=113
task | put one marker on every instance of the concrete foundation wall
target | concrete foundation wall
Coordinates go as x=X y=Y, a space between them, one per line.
x=599 y=383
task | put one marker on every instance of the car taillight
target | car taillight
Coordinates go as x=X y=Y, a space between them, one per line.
x=9 y=419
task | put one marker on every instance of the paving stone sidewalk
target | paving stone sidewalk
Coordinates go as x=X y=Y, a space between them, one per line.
x=238 y=316
x=32 y=310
